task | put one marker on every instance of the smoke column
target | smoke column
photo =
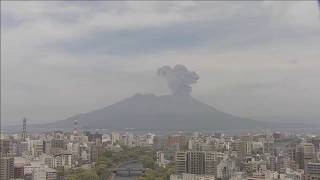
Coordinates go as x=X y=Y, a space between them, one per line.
x=179 y=79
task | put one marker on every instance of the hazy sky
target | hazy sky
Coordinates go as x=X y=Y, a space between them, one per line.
x=255 y=59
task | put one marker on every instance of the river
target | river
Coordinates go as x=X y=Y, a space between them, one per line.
x=124 y=176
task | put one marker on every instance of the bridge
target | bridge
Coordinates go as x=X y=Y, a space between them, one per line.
x=130 y=171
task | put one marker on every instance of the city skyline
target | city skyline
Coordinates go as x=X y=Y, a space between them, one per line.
x=79 y=154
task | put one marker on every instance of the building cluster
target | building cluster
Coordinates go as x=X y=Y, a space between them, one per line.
x=261 y=156
x=41 y=156
x=195 y=156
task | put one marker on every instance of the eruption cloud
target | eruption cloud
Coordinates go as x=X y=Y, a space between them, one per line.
x=179 y=78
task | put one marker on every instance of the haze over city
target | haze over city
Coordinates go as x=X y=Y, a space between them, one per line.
x=257 y=60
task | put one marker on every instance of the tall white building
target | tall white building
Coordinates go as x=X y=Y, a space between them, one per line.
x=115 y=137
x=63 y=160
x=161 y=161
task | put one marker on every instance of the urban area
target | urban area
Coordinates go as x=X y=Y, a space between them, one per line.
x=78 y=154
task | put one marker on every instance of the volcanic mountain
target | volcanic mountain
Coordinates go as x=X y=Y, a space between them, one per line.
x=168 y=112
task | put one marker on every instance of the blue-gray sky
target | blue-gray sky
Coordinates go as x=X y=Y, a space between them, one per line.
x=255 y=59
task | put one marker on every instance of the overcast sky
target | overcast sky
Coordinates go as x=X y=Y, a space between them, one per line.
x=255 y=59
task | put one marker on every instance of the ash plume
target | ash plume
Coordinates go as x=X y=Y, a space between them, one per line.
x=179 y=78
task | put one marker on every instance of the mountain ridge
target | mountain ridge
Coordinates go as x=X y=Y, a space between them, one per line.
x=169 y=112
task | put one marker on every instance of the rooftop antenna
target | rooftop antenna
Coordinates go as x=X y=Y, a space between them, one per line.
x=24 y=129
x=76 y=129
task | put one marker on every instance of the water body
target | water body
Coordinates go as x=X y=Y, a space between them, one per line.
x=125 y=176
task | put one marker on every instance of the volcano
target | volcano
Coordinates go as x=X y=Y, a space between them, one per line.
x=168 y=112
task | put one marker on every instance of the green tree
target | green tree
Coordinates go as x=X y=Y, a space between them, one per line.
x=84 y=175
x=148 y=162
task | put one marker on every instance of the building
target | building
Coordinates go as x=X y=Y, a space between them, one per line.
x=305 y=153
x=243 y=148
x=95 y=152
x=161 y=161
x=210 y=163
x=223 y=170
x=196 y=162
x=57 y=146
x=47 y=146
x=58 y=143
x=177 y=140
x=49 y=161
x=22 y=148
x=115 y=137
x=28 y=176
x=6 y=168
x=6 y=147
x=312 y=171
x=51 y=174
x=282 y=163
x=38 y=171
x=19 y=170
x=309 y=153
x=181 y=162
x=62 y=160
x=268 y=145
x=33 y=169
x=93 y=137
x=37 y=148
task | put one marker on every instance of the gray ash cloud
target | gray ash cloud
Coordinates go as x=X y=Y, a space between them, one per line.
x=179 y=78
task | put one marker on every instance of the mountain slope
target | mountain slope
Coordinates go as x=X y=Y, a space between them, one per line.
x=169 y=112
